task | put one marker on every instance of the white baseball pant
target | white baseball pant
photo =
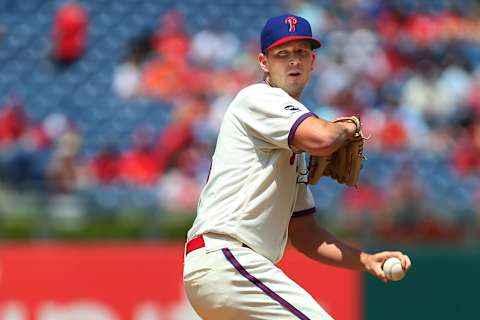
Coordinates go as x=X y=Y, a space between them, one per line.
x=226 y=280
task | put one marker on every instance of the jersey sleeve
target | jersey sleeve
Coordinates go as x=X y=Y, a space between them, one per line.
x=305 y=203
x=273 y=116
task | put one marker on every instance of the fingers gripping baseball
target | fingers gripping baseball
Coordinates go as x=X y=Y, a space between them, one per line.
x=383 y=265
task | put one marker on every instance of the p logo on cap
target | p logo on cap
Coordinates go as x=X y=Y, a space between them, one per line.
x=284 y=28
x=292 y=21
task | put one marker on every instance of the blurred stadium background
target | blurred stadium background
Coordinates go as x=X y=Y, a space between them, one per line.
x=109 y=112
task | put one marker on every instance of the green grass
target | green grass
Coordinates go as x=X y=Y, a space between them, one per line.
x=133 y=225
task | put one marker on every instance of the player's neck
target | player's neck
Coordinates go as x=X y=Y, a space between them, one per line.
x=267 y=81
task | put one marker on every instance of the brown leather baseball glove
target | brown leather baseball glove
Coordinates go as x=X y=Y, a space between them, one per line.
x=343 y=165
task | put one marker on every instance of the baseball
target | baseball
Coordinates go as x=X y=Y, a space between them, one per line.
x=393 y=269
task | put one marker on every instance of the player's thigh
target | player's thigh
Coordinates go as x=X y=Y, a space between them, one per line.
x=259 y=290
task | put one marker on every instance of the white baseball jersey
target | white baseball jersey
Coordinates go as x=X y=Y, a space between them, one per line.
x=256 y=181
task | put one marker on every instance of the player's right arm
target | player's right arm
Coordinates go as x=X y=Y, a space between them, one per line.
x=319 y=137
x=311 y=239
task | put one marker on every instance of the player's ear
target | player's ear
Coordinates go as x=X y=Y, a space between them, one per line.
x=314 y=57
x=262 y=60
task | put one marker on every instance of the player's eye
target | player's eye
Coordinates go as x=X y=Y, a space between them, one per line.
x=303 y=52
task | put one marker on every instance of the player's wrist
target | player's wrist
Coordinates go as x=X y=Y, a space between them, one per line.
x=351 y=125
x=364 y=261
x=349 y=128
x=352 y=128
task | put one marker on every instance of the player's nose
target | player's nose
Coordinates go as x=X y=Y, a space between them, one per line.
x=294 y=61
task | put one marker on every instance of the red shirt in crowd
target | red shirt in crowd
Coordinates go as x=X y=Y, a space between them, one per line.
x=105 y=166
x=13 y=123
x=70 y=32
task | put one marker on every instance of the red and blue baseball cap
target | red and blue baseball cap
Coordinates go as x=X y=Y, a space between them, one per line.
x=284 y=28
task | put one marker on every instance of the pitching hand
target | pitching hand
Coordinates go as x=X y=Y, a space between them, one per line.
x=373 y=263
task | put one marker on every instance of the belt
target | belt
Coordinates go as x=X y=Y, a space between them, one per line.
x=194 y=244
x=197 y=243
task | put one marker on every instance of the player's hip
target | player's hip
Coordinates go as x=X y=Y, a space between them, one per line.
x=235 y=282
x=206 y=277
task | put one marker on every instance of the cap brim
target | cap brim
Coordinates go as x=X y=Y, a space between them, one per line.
x=314 y=42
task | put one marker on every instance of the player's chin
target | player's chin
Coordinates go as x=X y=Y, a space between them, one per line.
x=295 y=89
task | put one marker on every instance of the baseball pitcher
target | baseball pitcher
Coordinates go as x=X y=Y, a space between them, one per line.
x=257 y=195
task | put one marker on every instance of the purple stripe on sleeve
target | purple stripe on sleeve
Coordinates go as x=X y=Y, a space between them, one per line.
x=228 y=254
x=293 y=129
x=302 y=213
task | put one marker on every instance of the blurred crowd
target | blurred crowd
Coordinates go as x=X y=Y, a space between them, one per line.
x=410 y=69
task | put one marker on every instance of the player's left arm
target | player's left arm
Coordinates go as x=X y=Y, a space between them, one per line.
x=307 y=236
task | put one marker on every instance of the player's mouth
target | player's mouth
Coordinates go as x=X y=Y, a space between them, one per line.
x=294 y=73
